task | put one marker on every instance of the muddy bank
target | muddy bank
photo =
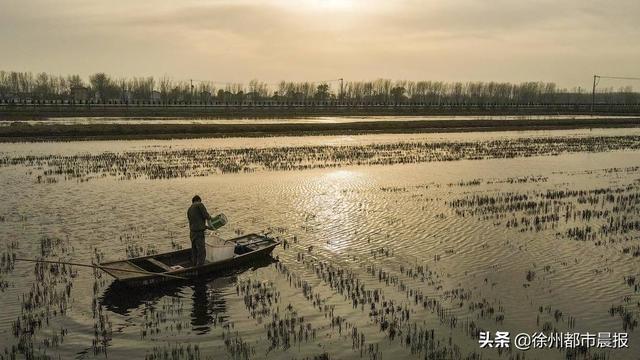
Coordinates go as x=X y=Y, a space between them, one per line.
x=265 y=109
x=18 y=131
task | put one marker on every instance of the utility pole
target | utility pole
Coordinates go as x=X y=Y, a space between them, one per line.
x=593 y=93
x=596 y=80
x=341 y=88
x=191 y=89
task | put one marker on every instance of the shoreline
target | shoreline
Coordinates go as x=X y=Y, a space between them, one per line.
x=9 y=112
x=17 y=132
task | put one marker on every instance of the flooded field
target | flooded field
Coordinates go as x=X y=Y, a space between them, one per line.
x=394 y=246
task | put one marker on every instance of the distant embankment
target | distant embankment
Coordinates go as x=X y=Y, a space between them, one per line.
x=23 y=111
x=18 y=131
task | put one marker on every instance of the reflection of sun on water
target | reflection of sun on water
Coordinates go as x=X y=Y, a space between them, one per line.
x=341 y=175
x=335 y=207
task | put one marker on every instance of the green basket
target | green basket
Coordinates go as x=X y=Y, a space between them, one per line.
x=218 y=221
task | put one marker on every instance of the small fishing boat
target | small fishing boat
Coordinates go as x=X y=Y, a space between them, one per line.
x=177 y=265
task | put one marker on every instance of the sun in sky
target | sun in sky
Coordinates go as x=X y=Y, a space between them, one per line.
x=333 y=4
x=322 y=5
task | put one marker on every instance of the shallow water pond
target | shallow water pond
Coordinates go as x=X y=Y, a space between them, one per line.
x=382 y=259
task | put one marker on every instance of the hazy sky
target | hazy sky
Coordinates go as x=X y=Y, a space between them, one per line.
x=504 y=40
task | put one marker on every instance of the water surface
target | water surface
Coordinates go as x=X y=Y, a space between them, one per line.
x=382 y=261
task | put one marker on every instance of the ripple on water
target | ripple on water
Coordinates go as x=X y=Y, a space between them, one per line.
x=390 y=229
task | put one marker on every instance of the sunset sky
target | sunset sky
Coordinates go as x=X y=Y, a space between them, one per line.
x=236 y=41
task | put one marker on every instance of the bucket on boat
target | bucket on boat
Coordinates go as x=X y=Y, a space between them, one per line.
x=217 y=221
x=219 y=252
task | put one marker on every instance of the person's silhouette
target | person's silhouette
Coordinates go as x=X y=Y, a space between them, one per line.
x=198 y=216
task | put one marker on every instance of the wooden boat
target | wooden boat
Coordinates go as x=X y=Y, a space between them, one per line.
x=176 y=265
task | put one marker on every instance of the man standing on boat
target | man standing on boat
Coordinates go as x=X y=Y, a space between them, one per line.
x=198 y=216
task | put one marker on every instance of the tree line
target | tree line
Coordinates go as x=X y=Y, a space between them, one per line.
x=103 y=88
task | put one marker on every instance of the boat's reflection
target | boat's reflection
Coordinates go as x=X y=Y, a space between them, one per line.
x=208 y=308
